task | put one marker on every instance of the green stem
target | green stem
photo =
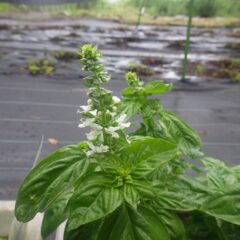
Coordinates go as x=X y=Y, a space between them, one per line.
x=143 y=3
x=187 y=43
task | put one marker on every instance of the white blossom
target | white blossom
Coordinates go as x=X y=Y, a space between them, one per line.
x=96 y=126
x=92 y=135
x=121 y=122
x=86 y=108
x=111 y=113
x=96 y=149
x=85 y=123
x=116 y=99
x=90 y=90
x=93 y=112
x=89 y=122
x=112 y=131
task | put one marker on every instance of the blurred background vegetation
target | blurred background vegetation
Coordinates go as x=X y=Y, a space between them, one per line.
x=127 y=9
x=202 y=8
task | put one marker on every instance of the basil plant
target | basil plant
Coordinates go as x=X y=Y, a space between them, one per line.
x=136 y=184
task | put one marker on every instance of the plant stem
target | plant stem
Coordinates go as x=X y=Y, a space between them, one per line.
x=187 y=42
x=143 y=3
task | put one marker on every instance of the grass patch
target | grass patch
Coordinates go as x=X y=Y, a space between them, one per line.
x=153 y=61
x=41 y=66
x=233 y=46
x=141 y=70
x=235 y=34
x=222 y=69
x=65 y=55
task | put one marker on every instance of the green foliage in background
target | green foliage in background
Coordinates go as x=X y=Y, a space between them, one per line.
x=202 y=8
x=135 y=185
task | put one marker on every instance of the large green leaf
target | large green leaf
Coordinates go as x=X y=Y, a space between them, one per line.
x=224 y=205
x=179 y=131
x=50 y=178
x=182 y=194
x=219 y=176
x=157 y=87
x=55 y=215
x=172 y=222
x=201 y=226
x=139 y=158
x=87 y=231
x=109 y=162
x=144 y=155
x=187 y=194
x=230 y=231
x=95 y=197
x=129 y=224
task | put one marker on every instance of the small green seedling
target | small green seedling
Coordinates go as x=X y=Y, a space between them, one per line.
x=41 y=66
x=200 y=70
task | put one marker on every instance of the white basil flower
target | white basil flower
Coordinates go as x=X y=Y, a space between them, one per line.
x=116 y=99
x=121 y=122
x=125 y=125
x=90 y=90
x=96 y=126
x=96 y=149
x=89 y=122
x=86 y=108
x=112 y=131
x=85 y=123
x=93 y=112
x=111 y=113
x=92 y=135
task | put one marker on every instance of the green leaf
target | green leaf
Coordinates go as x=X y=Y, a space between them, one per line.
x=172 y=222
x=142 y=156
x=109 y=162
x=131 y=195
x=157 y=87
x=182 y=194
x=149 y=109
x=128 y=92
x=175 y=201
x=224 y=205
x=133 y=92
x=230 y=231
x=145 y=189
x=55 y=215
x=50 y=178
x=87 y=231
x=95 y=197
x=218 y=175
x=130 y=107
x=139 y=158
x=129 y=224
x=179 y=131
x=201 y=226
